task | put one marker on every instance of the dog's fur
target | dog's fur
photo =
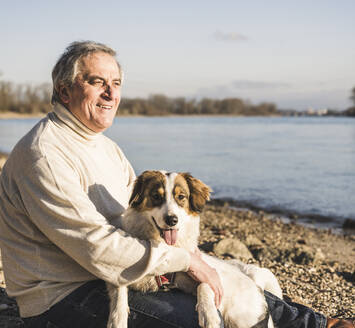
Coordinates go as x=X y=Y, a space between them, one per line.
x=165 y=207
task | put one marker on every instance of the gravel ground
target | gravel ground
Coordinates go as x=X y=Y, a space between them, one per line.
x=315 y=267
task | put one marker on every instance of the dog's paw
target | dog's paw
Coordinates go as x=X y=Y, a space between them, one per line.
x=117 y=324
x=114 y=325
x=208 y=319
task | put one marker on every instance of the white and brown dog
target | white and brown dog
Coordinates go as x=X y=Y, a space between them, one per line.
x=165 y=207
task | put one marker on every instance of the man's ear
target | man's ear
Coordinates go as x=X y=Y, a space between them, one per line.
x=199 y=193
x=64 y=94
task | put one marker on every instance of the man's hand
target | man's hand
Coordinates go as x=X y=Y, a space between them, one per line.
x=202 y=272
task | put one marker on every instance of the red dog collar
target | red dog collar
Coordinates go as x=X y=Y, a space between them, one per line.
x=165 y=281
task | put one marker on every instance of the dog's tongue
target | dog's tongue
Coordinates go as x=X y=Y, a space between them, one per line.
x=170 y=236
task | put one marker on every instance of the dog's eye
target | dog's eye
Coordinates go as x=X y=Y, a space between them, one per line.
x=181 y=197
x=156 y=196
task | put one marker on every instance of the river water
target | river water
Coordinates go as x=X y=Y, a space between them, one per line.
x=298 y=166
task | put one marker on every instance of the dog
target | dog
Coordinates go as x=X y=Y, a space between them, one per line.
x=164 y=208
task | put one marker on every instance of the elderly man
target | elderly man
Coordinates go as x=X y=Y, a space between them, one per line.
x=62 y=191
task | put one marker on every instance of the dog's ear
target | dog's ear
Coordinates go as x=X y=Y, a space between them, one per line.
x=139 y=189
x=137 y=193
x=199 y=193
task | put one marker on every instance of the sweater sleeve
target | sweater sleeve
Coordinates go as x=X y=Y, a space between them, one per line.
x=56 y=203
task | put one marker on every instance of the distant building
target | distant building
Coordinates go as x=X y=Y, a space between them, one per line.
x=316 y=112
x=310 y=111
x=322 y=112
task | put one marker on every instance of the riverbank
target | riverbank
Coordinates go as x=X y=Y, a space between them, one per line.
x=13 y=115
x=123 y=113
x=315 y=267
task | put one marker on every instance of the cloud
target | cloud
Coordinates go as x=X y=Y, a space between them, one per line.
x=230 y=36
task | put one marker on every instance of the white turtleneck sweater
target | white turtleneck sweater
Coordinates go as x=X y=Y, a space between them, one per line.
x=62 y=191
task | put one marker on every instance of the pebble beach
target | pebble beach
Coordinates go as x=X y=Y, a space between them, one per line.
x=315 y=267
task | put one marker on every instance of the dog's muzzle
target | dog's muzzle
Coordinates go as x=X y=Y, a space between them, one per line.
x=169 y=235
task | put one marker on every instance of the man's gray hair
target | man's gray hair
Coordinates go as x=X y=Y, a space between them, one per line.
x=66 y=68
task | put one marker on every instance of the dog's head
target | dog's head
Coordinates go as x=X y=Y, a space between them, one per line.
x=169 y=200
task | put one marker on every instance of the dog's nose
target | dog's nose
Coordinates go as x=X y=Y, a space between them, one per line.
x=171 y=220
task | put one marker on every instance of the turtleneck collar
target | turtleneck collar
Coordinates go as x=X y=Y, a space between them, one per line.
x=66 y=117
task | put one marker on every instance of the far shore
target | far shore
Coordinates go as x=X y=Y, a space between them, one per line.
x=13 y=115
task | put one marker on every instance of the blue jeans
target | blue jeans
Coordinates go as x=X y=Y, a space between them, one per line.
x=88 y=307
x=293 y=315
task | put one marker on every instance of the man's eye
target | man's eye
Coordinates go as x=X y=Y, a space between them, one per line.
x=117 y=84
x=97 y=82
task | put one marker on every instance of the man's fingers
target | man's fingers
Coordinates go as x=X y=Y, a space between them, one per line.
x=218 y=299
x=218 y=294
x=216 y=287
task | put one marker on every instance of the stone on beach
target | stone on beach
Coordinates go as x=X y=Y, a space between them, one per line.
x=233 y=247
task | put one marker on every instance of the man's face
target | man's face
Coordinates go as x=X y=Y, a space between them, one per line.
x=96 y=92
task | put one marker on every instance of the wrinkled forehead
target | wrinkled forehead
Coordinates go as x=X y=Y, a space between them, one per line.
x=98 y=63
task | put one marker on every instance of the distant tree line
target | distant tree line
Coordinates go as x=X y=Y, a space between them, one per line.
x=163 y=105
x=25 y=98
x=351 y=111
x=29 y=99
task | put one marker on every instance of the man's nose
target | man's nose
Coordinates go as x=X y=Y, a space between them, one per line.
x=108 y=91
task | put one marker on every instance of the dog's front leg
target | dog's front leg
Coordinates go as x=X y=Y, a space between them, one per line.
x=207 y=312
x=119 y=309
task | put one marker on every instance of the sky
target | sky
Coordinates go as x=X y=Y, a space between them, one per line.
x=296 y=54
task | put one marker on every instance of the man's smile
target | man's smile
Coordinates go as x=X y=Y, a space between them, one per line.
x=104 y=106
